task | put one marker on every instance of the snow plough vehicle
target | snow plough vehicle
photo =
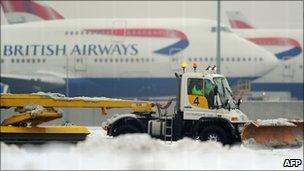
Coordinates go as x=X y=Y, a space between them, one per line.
x=205 y=109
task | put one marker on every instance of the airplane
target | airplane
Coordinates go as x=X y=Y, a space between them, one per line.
x=285 y=44
x=43 y=51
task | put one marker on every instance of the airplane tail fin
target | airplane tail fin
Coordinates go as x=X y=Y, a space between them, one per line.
x=28 y=11
x=237 y=20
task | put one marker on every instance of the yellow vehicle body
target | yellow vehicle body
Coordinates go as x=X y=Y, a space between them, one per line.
x=21 y=100
x=17 y=134
x=24 y=126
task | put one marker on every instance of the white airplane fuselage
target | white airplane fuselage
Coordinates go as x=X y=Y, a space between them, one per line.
x=121 y=57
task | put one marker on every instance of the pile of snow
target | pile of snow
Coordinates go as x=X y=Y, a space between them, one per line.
x=34 y=109
x=142 y=152
x=59 y=96
x=275 y=122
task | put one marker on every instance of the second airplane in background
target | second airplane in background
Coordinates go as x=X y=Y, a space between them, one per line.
x=285 y=44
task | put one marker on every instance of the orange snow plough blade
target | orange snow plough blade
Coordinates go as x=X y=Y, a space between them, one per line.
x=274 y=133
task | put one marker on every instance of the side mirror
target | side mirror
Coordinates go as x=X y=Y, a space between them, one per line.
x=176 y=75
x=239 y=102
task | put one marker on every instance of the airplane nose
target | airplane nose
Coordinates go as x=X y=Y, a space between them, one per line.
x=269 y=61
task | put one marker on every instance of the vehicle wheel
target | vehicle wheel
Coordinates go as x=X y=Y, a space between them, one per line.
x=214 y=133
x=126 y=129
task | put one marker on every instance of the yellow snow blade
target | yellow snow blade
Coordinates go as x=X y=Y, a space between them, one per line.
x=275 y=135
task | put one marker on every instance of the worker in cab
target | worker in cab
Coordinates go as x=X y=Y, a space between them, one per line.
x=197 y=88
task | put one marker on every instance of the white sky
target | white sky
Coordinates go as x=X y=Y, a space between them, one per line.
x=262 y=14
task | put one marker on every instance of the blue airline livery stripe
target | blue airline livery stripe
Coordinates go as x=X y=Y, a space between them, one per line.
x=280 y=41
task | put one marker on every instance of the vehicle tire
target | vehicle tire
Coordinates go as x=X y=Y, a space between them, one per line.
x=126 y=129
x=214 y=133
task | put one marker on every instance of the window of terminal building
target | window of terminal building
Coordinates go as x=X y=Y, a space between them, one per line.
x=238 y=59
x=13 y=60
x=244 y=59
x=43 y=60
x=2 y=60
x=17 y=60
x=23 y=60
x=261 y=59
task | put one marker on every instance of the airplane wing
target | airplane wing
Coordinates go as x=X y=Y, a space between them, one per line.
x=46 y=77
x=25 y=83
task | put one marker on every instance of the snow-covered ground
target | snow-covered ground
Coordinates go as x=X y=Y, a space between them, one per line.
x=142 y=152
